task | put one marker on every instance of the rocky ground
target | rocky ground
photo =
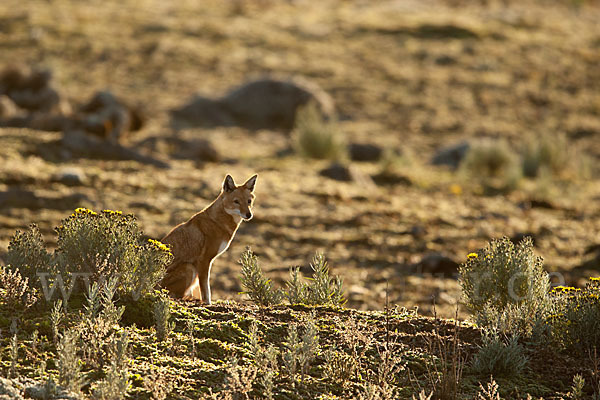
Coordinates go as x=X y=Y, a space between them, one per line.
x=412 y=77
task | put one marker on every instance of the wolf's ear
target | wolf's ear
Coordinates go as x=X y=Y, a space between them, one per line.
x=228 y=184
x=250 y=183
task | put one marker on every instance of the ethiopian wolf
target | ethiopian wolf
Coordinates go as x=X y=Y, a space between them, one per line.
x=206 y=235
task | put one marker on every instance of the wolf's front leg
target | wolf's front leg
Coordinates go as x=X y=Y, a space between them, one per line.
x=204 y=278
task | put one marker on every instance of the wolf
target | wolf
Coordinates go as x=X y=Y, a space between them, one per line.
x=197 y=242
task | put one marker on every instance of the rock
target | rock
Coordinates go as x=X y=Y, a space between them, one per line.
x=29 y=89
x=445 y=60
x=70 y=176
x=365 y=152
x=19 y=198
x=108 y=117
x=337 y=172
x=451 y=156
x=79 y=144
x=391 y=178
x=8 y=108
x=261 y=104
x=436 y=263
x=202 y=112
x=198 y=150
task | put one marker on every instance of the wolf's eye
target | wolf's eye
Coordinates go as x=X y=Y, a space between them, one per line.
x=249 y=201
x=236 y=202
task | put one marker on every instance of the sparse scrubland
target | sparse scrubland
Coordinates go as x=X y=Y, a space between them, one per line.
x=87 y=327
x=428 y=229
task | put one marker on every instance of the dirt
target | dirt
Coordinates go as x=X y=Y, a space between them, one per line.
x=412 y=77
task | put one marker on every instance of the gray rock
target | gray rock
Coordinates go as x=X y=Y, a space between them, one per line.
x=70 y=176
x=451 y=156
x=337 y=172
x=261 y=104
x=365 y=152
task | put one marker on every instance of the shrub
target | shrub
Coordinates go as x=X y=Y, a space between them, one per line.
x=498 y=357
x=116 y=383
x=323 y=289
x=27 y=253
x=547 y=152
x=15 y=289
x=110 y=244
x=297 y=289
x=300 y=350
x=320 y=290
x=69 y=367
x=162 y=315
x=494 y=163
x=505 y=286
x=316 y=137
x=98 y=322
x=256 y=285
x=490 y=392
x=575 y=318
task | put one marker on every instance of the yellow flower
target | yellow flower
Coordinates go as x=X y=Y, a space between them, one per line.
x=471 y=255
x=81 y=210
x=594 y=279
x=111 y=212
x=159 y=245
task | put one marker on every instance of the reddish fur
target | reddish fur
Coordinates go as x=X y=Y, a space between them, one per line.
x=196 y=243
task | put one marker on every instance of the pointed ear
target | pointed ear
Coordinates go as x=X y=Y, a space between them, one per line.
x=250 y=183
x=228 y=184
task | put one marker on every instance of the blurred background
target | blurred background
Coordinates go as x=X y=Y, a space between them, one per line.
x=395 y=136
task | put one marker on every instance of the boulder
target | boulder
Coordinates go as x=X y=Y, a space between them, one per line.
x=452 y=155
x=365 y=152
x=261 y=104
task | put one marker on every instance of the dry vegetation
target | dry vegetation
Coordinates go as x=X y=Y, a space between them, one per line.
x=519 y=81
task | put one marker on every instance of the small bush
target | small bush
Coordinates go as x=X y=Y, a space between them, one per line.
x=316 y=137
x=575 y=318
x=323 y=289
x=256 y=285
x=494 y=164
x=490 y=392
x=552 y=153
x=576 y=392
x=15 y=289
x=498 y=357
x=300 y=350
x=162 y=315
x=506 y=284
x=116 y=383
x=110 y=244
x=297 y=289
x=69 y=366
x=27 y=253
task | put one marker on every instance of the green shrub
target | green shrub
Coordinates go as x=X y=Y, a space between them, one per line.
x=256 y=285
x=320 y=290
x=552 y=153
x=27 y=253
x=494 y=164
x=505 y=286
x=92 y=246
x=69 y=366
x=498 y=357
x=575 y=318
x=300 y=351
x=110 y=244
x=323 y=289
x=15 y=290
x=317 y=138
x=162 y=315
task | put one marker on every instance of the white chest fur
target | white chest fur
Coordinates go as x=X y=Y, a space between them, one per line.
x=224 y=245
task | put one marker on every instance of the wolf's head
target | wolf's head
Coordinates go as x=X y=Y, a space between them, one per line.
x=237 y=200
